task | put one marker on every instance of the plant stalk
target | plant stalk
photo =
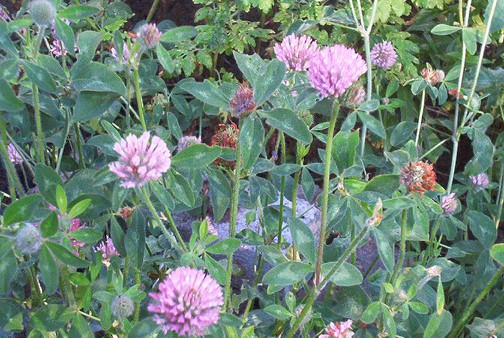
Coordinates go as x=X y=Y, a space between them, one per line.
x=138 y=93
x=420 y=118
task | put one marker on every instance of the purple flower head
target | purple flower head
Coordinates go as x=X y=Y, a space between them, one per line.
x=334 y=69
x=449 y=203
x=296 y=51
x=188 y=302
x=187 y=141
x=383 y=55
x=243 y=101
x=3 y=14
x=141 y=161
x=126 y=53
x=14 y=156
x=107 y=250
x=58 y=48
x=149 y=35
x=339 y=330
x=480 y=181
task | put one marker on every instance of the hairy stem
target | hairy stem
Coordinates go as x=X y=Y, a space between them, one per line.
x=152 y=11
x=138 y=93
x=282 y=191
x=420 y=118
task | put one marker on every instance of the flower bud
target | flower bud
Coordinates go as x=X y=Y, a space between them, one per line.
x=29 y=239
x=122 y=306
x=42 y=12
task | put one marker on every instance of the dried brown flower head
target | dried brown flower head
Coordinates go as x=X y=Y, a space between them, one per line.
x=418 y=177
x=226 y=137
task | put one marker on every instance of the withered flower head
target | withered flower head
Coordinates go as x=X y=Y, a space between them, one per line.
x=226 y=137
x=243 y=101
x=433 y=76
x=418 y=177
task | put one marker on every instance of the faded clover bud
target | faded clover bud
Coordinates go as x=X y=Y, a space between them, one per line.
x=122 y=306
x=354 y=96
x=339 y=330
x=334 y=69
x=480 y=181
x=296 y=51
x=149 y=35
x=125 y=54
x=383 y=55
x=187 y=141
x=42 y=12
x=107 y=250
x=243 y=101
x=29 y=239
x=418 y=177
x=14 y=156
x=433 y=76
x=449 y=203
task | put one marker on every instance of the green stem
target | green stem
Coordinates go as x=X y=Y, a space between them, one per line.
x=297 y=175
x=154 y=213
x=35 y=285
x=152 y=10
x=137 y=304
x=402 y=253
x=66 y=288
x=420 y=117
x=500 y=201
x=282 y=191
x=79 y=145
x=136 y=82
x=470 y=310
x=325 y=195
x=38 y=123
x=316 y=288
x=14 y=183
x=174 y=228
x=126 y=270
x=232 y=224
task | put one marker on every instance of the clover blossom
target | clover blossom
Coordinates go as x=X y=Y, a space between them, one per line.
x=339 y=330
x=480 y=181
x=296 y=51
x=107 y=250
x=142 y=159
x=449 y=203
x=383 y=55
x=149 y=35
x=14 y=156
x=334 y=69
x=125 y=54
x=243 y=101
x=188 y=302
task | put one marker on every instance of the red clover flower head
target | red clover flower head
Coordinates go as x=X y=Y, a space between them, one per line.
x=141 y=160
x=296 y=51
x=107 y=250
x=449 y=203
x=334 y=69
x=149 y=35
x=480 y=181
x=339 y=330
x=14 y=156
x=126 y=53
x=383 y=55
x=418 y=177
x=243 y=101
x=188 y=302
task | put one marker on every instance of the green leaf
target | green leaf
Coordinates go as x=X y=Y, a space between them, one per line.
x=66 y=256
x=278 y=312
x=383 y=184
x=385 y=249
x=250 y=139
x=39 y=76
x=224 y=247
x=66 y=34
x=419 y=308
x=497 y=252
x=8 y=266
x=345 y=144
x=370 y=105
x=402 y=133
x=49 y=226
x=179 y=34
x=8 y=99
x=371 y=313
x=439 y=325
x=117 y=235
x=61 y=199
x=162 y=195
x=181 y=189
x=49 y=271
x=87 y=42
x=287 y=273
x=482 y=227
x=251 y=67
x=308 y=184
x=304 y=238
x=469 y=39
x=220 y=193
x=87 y=235
x=346 y=275
x=80 y=328
x=97 y=77
x=443 y=29
x=373 y=124
x=165 y=59
x=216 y=270
x=20 y=210
x=388 y=321
x=78 y=12
x=92 y=104
x=134 y=241
x=196 y=156
x=270 y=81
x=50 y=318
x=207 y=92
x=498 y=17
x=289 y=122
x=47 y=181
x=440 y=297
x=79 y=208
